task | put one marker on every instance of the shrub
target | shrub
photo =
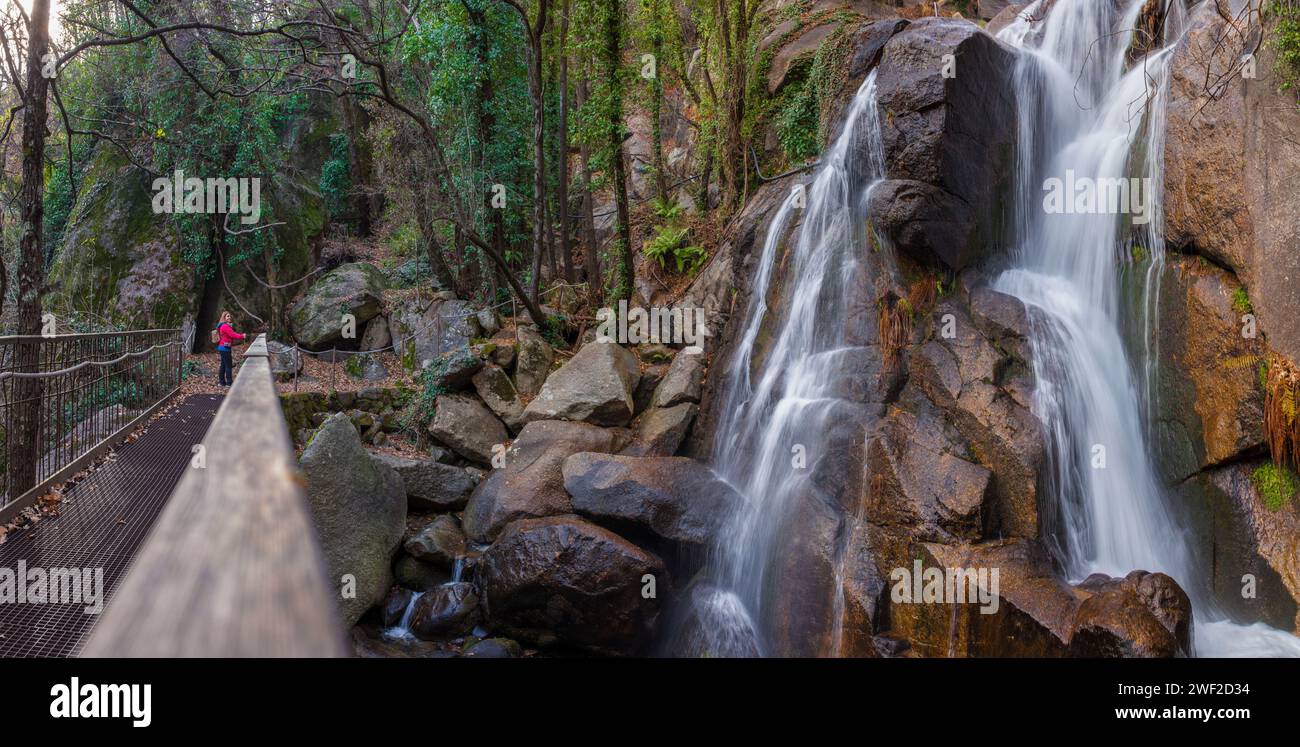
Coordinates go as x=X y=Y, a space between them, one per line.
x=1286 y=40
x=669 y=243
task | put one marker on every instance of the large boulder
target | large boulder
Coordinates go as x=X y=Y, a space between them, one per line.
x=376 y=336
x=672 y=498
x=366 y=367
x=683 y=382
x=430 y=485
x=444 y=611
x=286 y=361
x=804 y=44
x=661 y=430
x=462 y=422
x=359 y=506
x=949 y=140
x=1026 y=610
x=531 y=483
x=1210 y=403
x=533 y=362
x=452 y=371
x=440 y=542
x=317 y=320
x=1034 y=614
x=1246 y=538
x=562 y=579
x=414 y=574
x=595 y=386
x=498 y=393
x=116 y=256
x=1232 y=169
x=423 y=330
x=1005 y=17
x=1143 y=615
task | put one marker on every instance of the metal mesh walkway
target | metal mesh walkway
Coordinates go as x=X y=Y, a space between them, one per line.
x=102 y=522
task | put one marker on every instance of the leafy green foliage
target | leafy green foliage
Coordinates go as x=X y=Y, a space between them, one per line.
x=670 y=241
x=663 y=246
x=474 y=55
x=1241 y=302
x=552 y=329
x=1286 y=40
x=1276 y=485
x=797 y=125
x=414 y=271
x=420 y=411
x=59 y=192
x=335 y=175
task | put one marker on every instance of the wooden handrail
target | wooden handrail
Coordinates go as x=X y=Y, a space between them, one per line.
x=232 y=567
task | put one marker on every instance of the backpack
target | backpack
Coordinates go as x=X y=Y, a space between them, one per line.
x=215 y=336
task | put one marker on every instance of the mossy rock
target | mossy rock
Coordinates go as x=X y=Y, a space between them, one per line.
x=118 y=259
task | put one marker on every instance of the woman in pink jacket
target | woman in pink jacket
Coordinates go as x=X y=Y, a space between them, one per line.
x=227 y=337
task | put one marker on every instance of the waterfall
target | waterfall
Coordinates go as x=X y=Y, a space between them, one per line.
x=782 y=388
x=1087 y=112
x=402 y=630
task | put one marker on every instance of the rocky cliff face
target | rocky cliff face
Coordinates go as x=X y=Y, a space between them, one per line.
x=948 y=451
x=1232 y=161
x=120 y=263
x=1228 y=300
x=952 y=455
x=118 y=259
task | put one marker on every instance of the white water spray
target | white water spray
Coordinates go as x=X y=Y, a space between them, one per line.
x=786 y=391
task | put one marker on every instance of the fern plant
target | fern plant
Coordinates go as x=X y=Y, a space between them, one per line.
x=669 y=243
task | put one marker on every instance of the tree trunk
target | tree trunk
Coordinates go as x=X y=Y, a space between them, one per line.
x=706 y=176
x=539 y=147
x=592 y=254
x=735 y=40
x=25 y=434
x=533 y=309
x=566 y=246
x=442 y=274
x=613 y=63
x=657 y=104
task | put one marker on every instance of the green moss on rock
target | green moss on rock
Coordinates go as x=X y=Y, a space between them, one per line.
x=1275 y=485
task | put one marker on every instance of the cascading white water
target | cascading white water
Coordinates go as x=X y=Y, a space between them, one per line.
x=1086 y=110
x=782 y=391
x=402 y=630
